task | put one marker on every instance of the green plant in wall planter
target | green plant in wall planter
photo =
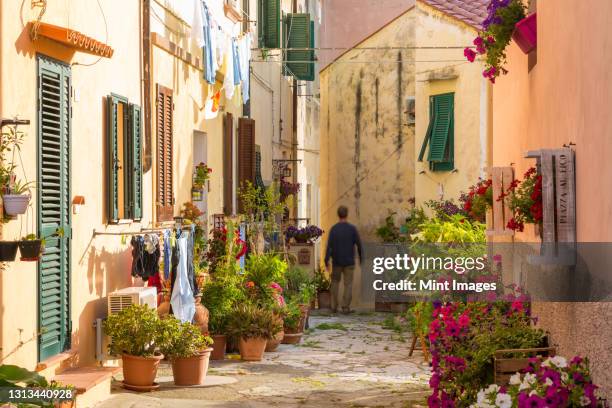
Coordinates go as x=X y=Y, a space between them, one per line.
x=31 y=247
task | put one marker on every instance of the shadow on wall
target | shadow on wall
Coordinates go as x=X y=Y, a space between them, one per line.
x=108 y=271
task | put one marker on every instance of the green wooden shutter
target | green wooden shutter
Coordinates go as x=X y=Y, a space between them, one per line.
x=136 y=162
x=269 y=23
x=114 y=161
x=440 y=132
x=428 y=133
x=297 y=35
x=311 y=67
x=53 y=207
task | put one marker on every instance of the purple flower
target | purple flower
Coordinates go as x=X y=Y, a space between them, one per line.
x=480 y=47
x=470 y=54
x=535 y=402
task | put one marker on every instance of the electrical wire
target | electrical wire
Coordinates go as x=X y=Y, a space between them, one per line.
x=105 y=40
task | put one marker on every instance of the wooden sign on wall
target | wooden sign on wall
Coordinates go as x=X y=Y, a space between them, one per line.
x=557 y=167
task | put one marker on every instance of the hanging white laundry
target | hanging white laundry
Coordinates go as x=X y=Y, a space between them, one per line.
x=221 y=41
x=228 y=81
x=182 y=301
x=245 y=56
x=197 y=27
x=214 y=27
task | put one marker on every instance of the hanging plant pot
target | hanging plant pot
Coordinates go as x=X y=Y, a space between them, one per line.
x=16 y=204
x=31 y=250
x=526 y=33
x=8 y=251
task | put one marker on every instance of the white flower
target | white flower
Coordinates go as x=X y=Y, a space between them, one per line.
x=548 y=382
x=532 y=393
x=530 y=378
x=524 y=385
x=481 y=396
x=492 y=388
x=559 y=361
x=503 y=401
x=584 y=401
x=515 y=379
x=564 y=377
x=546 y=363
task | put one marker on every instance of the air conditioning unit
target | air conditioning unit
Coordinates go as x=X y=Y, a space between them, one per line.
x=137 y=295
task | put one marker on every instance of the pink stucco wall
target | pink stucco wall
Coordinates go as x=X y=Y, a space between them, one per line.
x=345 y=23
x=567 y=97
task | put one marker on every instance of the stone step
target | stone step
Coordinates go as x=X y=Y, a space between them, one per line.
x=93 y=384
x=58 y=363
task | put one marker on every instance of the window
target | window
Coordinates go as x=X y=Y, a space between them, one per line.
x=125 y=159
x=411 y=110
x=269 y=23
x=228 y=164
x=247 y=165
x=298 y=32
x=165 y=194
x=440 y=133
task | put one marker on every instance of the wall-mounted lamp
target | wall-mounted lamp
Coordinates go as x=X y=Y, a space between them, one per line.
x=77 y=202
x=13 y=122
x=422 y=172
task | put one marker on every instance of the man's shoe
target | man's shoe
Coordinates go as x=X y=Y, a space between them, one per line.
x=346 y=310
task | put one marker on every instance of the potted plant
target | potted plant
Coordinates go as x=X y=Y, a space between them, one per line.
x=188 y=350
x=30 y=247
x=253 y=326
x=323 y=284
x=498 y=30
x=8 y=250
x=137 y=335
x=17 y=198
x=478 y=200
x=525 y=33
x=525 y=201
x=303 y=235
x=201 y=175
x=293 y=322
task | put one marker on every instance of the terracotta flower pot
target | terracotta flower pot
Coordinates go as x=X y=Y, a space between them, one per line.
x=164 y=308
x=140 y=371
x=252 y=349
x=218 y=347
x=191 y=370
x=273 y=344
x=324 y=299
x=8 y=251
x=292 y=338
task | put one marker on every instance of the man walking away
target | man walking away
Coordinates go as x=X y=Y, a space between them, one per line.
x=341 y=242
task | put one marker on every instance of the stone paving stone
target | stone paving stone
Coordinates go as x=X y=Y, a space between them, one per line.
x=364 y=366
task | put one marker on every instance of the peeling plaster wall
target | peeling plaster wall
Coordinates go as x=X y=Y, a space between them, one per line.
x=367 y=144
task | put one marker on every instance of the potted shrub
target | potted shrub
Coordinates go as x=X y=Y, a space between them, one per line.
x=188 y=350
x=17 y=198
x=8 y=251
x=219 y=296
x=253 y=327
x=293 y=322
x=30 y=248
x=323 y=285
x=137 y=335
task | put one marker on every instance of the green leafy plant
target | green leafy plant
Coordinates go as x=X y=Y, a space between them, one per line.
x=420 y=317
x=525 y=200
x=321 y=280
x=454 y=229
x=292 y=316
x=184 y=339
x=137 y=331
x=202 y=174
x=250 y=321
x=219 y=296
x=389 y=232
x=21 y=188
x=15 y=376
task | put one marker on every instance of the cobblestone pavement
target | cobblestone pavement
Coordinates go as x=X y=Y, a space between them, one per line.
x=353 y=362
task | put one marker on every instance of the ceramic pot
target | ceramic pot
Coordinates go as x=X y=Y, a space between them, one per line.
x=526 y=33
x=16 y=204
x=252 y=349
x=191 y=370
x=8 y=251
x=163 y=309
x=273 y=344
x=292 y=338
x=218 y=347
x=140 y=371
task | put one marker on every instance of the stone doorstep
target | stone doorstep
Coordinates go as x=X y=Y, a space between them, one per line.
x=85 y=378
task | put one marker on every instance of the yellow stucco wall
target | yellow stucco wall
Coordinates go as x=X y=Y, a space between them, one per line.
x=98 y=265
x=441 y=71
x=367 y=146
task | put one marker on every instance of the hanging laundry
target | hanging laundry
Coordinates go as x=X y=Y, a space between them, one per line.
x=228 y=82
x=190 y=267
x=236 y=58
x=213 y=28
x=145 y=264
x=220 y=43
x=182 y=300
x=167 y=254
x=197 y=25
x=211 y=107
x=244 y=47
x=207 y=46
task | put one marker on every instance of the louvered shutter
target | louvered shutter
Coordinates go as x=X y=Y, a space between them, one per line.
x=165 y=196
x=113 y=158
x=440 y=131
x=228 y=164
x=297 y=35
x=53 y=207
x=246 y=153
x=269 y=23
x=136 y=162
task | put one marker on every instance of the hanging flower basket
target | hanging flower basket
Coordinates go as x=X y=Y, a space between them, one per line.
x=526 y=34
x=31 y=250
x=16 y=204
x=8 y=251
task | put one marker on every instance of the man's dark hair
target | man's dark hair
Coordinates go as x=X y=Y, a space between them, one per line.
x=342 y=211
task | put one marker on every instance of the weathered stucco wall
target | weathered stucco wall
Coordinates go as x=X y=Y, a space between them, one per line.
x=367 y=147
x=438 y=71
x=565 y=98
x=99 y=265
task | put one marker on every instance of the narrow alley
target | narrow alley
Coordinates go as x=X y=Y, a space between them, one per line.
x=343 y=361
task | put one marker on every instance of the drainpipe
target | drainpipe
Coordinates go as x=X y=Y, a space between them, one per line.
x=294 y=141
x=146 y=83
